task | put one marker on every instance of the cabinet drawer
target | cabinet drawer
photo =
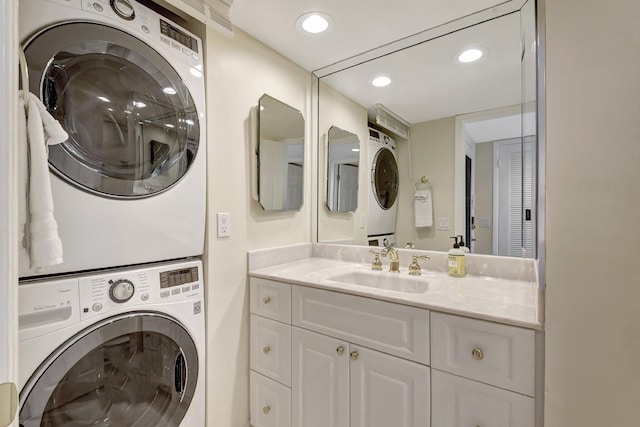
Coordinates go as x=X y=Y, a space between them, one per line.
x=496 y=354
x=270 y=402
x=271 y=349
x=270 y=299
x=391 y=328
x=459 y=402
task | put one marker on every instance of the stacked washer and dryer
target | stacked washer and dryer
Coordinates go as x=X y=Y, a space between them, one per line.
x=115 y=335
x=383 y=194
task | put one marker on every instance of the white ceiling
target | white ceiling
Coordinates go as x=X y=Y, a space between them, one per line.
x=427 y=82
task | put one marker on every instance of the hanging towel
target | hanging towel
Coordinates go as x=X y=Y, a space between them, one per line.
x=38 y=227
x=423 y=208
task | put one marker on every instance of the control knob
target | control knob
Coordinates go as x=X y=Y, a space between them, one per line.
x=121 y=291
x=123 y=8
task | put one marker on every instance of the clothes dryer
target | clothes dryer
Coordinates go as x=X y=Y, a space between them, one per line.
x=383 y=193
x=127 y=85
x=115 y=348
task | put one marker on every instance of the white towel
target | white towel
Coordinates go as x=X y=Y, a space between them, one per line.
x=39 y=229
x=423 y=208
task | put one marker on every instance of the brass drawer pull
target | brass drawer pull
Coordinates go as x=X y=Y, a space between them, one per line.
x=354 y=355
x=266 y=349
x=340 y=350
x=266 y=300
x=477 y=354
x=266 y=409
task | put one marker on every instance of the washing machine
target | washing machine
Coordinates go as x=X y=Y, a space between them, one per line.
x=115 y=348
x=127 y=85
x=383 y=193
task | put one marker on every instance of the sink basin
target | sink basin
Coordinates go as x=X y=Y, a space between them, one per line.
x=399 y=282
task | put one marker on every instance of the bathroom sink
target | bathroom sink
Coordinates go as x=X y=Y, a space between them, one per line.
x=399 y=282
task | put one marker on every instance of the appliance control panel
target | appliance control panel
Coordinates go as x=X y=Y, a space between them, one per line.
x=148 y=24
x=161 y=284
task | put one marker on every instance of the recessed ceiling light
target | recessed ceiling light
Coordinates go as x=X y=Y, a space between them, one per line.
x=471 y=55
x=381 y=81
x=169 y=91
x=355 y=150
x=313 y=23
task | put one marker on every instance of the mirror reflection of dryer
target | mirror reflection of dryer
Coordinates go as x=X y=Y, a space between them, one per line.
x=383 y=194
x=129 y=184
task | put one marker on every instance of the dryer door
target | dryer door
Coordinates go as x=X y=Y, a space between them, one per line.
x=132 y=123
x=138 y=369
x=384 y=178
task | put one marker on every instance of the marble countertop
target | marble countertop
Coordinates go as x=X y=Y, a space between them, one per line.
x=510 y=300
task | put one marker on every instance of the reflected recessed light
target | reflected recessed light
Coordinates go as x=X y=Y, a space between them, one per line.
x=355 y=150
x=169 y=91
x=104 y=99
x=169 y=125
x=313 y=23
x=195 y=72
x=127 y=112
x=190 y=122
x=110 y=109
x=471 y=55
x=139 y=104
x=381 y=81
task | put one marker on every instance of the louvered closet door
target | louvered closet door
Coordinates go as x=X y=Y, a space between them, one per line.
x=514 y=197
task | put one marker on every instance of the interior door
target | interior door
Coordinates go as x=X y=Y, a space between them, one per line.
x=514 y=233
x=134 y=369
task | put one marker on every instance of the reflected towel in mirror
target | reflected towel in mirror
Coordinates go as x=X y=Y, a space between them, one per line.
x=423 y=208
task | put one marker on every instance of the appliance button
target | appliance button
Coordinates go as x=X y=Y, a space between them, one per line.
x=98 y=7
x=195 y=286
x=145 y=29
x=176 y=45
x=165 y=41
x=124 y=9
x=186 y=289
x=195 y=56
x=175 y=291
x=144 y=297
x=186 y=51
x=96 y=307
x=164 y=294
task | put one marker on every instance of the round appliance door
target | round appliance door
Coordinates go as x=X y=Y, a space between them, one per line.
x=384 y=178
x=132 y=123
x=138 y=369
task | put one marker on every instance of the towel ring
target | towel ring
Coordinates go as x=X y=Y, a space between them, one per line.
x=423 y=180
x=24 y=72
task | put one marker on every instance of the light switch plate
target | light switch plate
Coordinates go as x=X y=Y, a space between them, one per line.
x=444 y=223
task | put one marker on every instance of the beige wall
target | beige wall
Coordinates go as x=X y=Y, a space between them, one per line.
x=431 y=153
x=338 y=110
x=483 y=197
x=239 y=71
x=593 y=209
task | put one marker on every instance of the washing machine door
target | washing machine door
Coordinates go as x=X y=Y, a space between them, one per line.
x=384 y=178
x=138 y=369
x=132 y=123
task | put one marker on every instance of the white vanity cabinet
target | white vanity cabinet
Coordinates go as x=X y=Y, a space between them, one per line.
x=338 y=360
x=337 y=383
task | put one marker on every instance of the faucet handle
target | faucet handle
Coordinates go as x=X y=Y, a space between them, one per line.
x=376 y=264
x=414 y=267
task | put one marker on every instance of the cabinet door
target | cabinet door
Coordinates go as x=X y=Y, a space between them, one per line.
x=271 y=349
x=387 y=391
x=459 y=402
x=270 y=402
x=319 y=380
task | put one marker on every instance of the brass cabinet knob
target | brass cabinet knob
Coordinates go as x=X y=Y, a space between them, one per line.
x=340 y=350
x=266 y=409
x=266 y=349
x=354 y=355
x=266 y=300
x=477 y=353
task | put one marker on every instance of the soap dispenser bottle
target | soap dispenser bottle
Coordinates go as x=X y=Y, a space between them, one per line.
x=457 y=262
x=462 y=246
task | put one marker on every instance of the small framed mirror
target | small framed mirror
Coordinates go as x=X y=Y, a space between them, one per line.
x=280 y=156
x=343 y=160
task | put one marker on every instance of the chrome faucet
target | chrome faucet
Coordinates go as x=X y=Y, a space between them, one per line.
x=394 y=260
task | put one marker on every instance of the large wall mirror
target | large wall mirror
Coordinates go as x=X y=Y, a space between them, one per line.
x=280 y=153
x=343 y=159
x=470 y=127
